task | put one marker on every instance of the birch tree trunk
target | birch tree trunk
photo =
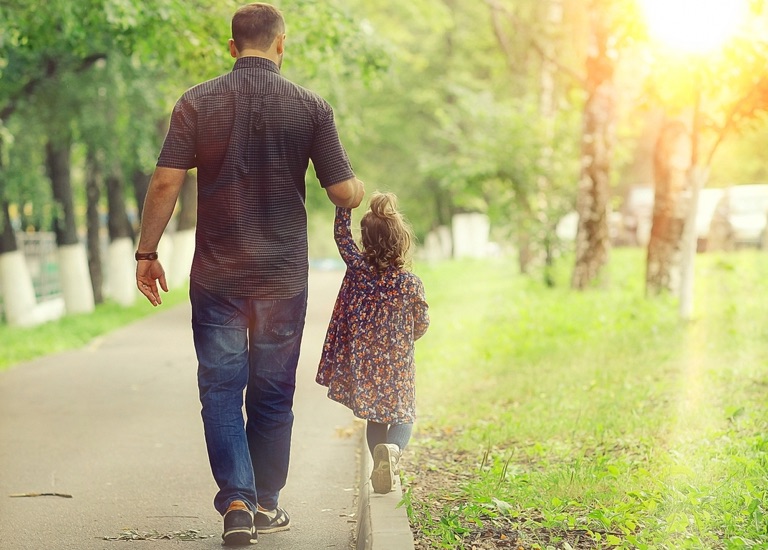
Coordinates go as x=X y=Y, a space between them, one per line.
x=672 y=203
x=592 y=203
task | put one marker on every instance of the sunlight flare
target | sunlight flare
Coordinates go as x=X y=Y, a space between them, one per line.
x=694 y=26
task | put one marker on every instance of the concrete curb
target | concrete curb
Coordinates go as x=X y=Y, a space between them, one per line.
x=381 y=524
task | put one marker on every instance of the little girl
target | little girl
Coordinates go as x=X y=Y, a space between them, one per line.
x=367 y=361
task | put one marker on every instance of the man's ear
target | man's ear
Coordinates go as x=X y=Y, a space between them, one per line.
x=280 y=43
x=232 y=48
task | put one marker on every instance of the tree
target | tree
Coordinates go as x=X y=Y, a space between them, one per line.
x=719 y=94
x=450 y=127
x=529 y=36
x=45 y=53
x=672 y=162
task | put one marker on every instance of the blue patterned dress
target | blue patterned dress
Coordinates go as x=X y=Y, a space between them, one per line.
x=367 y=361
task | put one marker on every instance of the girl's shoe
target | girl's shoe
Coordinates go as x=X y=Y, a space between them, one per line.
x=385 y=467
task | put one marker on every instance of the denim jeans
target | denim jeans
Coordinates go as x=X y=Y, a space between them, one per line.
x=252 y=346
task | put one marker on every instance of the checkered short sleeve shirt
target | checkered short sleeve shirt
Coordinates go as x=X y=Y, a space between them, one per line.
x=251 y=134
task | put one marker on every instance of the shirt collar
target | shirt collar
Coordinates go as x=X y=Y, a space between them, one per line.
x=253 y=62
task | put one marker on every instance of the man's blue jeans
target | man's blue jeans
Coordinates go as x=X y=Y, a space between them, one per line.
x=250 y=345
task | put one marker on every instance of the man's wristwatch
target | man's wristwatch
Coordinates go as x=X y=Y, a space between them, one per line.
x=146 y=256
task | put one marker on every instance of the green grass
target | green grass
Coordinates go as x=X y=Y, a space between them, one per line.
x=74 y=331
x=597 y=416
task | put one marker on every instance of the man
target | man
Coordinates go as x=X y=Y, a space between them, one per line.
x=250 y=134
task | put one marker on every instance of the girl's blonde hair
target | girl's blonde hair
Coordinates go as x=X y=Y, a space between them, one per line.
x=386 y=235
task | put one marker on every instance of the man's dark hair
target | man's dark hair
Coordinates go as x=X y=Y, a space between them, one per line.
x=256 y=26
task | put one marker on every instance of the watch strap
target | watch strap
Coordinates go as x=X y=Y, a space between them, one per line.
x=146 y=256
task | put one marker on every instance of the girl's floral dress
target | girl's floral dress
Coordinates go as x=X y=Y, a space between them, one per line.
x=367 y=361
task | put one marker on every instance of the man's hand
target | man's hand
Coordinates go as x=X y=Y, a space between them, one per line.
x=148 y=274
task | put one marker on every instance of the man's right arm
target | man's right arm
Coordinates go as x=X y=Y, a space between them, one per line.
x=346 y=194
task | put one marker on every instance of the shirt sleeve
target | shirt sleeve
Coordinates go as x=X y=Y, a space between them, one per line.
x=327 y=153
x=179 y=147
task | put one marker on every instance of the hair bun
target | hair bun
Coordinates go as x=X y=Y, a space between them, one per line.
x=384 y=205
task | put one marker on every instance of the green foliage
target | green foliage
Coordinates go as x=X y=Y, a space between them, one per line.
x=107 y=72
x=24 y=177
x=92 y=70
x=428 y=102
x=448 y=127
x=597 y=415
x=330 y=48
x=741 y=160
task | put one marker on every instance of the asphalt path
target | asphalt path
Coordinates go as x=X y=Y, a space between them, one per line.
x=117 y=426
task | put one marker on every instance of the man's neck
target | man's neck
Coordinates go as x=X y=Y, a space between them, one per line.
x=258 y=53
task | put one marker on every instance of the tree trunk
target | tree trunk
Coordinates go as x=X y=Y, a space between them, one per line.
x=17 y=293
x=7 y=236
x=58 y=164
x=672 y=202
x=548 y=110
x=118 y=222
x=525 y=253
x=93 y=221
x=592 y=203
x=73 y=260
x=140 y=182
x=120 y=266
x=16 y=288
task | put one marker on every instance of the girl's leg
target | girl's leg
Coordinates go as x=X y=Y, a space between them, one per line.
x=375 y=433
x=399 y=434
x=386 y=452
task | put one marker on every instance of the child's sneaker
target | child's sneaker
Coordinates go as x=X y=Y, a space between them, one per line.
x=385 y=467
x=271 y=521
x=238 y=525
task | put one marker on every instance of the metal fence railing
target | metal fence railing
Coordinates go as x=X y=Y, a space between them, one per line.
x=39 y=249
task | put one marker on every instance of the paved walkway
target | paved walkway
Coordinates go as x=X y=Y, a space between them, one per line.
x=117 y=426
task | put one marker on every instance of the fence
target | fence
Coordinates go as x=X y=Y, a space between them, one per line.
x=39 y=249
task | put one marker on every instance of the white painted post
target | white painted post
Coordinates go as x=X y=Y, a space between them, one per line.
x=471 y=234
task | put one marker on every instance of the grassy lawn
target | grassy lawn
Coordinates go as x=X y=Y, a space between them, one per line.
x=74 y=331
x=555 y=419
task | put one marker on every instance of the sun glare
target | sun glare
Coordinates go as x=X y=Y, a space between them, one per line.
x=694 y=26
